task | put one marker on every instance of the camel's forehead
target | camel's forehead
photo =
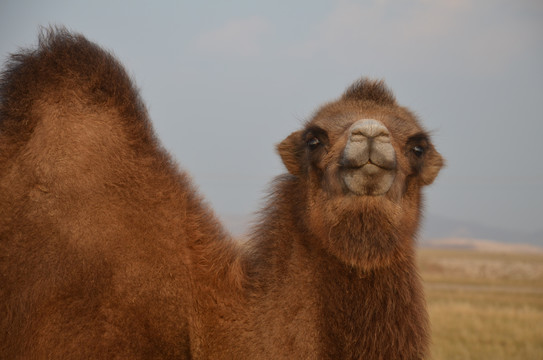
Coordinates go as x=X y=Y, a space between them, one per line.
x=337 y=119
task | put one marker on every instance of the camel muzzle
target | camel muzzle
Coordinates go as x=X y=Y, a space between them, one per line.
x=368 y=160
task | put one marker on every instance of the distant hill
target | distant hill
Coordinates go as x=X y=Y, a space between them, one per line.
x=480 y=245
x=438 y=227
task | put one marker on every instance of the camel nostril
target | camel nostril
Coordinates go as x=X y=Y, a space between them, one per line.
x=369 y=129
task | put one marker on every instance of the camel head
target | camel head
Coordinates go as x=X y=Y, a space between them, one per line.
x=360 y=163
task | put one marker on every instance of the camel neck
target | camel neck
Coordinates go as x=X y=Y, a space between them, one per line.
x=384 y=302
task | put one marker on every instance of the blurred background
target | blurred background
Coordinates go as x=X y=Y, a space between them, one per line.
x=225 y=81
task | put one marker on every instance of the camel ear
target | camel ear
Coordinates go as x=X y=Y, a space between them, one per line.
x=432 y=165
x=291 y=152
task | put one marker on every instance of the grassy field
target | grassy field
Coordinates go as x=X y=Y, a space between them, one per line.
x=484 y=305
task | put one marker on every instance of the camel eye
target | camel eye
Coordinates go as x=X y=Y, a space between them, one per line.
x=418 y=150
x=315 y=138
x=313 y=142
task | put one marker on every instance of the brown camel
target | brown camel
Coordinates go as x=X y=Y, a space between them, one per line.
x=107 y=251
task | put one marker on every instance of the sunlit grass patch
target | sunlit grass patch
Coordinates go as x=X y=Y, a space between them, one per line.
x=488 y=315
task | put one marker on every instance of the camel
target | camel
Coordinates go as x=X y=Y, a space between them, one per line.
x=108 y=251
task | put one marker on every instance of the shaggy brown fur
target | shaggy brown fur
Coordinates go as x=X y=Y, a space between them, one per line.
x=106 y=251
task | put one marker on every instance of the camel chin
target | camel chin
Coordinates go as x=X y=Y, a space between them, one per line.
x=368 y=180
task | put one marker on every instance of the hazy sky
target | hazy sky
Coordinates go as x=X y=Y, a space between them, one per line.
x=225 y=81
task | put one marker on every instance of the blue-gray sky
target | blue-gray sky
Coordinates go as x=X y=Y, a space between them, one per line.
x=225 y=81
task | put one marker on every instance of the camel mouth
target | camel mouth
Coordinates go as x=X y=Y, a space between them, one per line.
x=368 y=180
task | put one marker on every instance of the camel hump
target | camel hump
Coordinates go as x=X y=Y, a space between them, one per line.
x=69 y=106
x=67 y=78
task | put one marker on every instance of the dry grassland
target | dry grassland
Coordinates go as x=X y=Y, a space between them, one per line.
x=484 y=305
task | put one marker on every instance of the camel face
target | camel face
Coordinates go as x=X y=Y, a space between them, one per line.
x=361 y=157
x=363 y=160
